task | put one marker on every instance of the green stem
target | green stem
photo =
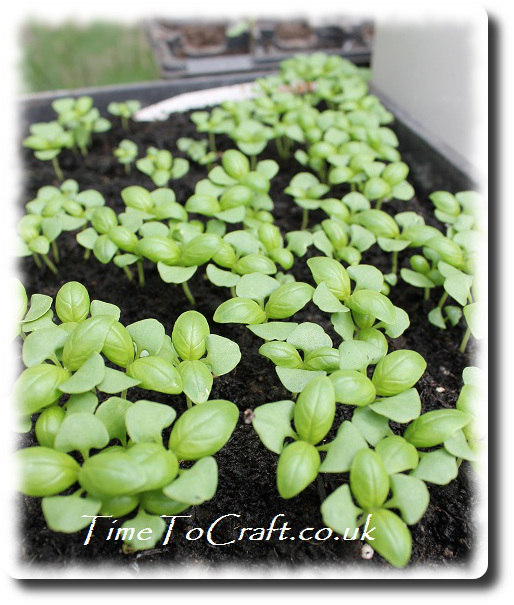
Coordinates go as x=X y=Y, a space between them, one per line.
x=464 y=342
x=212 y=142
x=37 y=261
x=394 y=268
x=233 y=292
x=87 y=254
x=55 y=251
x=127 y=273
x=50 y=264
x=127 y=168
x=305 y=219
x=141 y=274
x=253 y=162
x=379 y=204
x=188 y=293
x=124 y=123
x=189 y=402
x=442 y=300
x=124 y=394
x=57 y=169
x=427 y=294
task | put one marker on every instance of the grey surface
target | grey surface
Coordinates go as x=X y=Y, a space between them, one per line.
x=428 y=70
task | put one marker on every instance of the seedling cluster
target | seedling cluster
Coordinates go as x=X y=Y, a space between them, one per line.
x=125 y=457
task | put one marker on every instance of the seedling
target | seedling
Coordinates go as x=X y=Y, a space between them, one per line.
x=126 y=153
x=48 y=140
x=161 y=166
x=125 y=111
x=198 y=151
x=81 y=119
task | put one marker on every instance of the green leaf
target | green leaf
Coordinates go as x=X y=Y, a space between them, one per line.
x=341 y=451
x=203 y=430
x=392 y=539
x=288 y=299
x=116 y=382
x=298 y=466
x=239 y=310
x=72 y=302
x=47 y=425
x=343 y=324
x=196 y=380
x=159 y=465
x=458 y=286
x=38 y=387
x=256 y=286
x=221 y=278
x=44 y=471
x=369 y=302
x=189 y=335
x=331 y=272
x=39 y=305
x=366 y=277
x=369 y=480
x=437 y=467
x=457 y=445
x=298 y=242
x=69 y=514
x=99 y=307
x=148 y=335
x=315 y=410
x=475 y=314
x=358 y=355
x=82 y=403
x=42 y=344
x=223 y=354
x=397 y=372
x=82 y=433
x=156 y=374
x=402 y=408
x=371 y=425
x=145 y=421
x=326 y=301
x=400 y=324
x=352 y=387
x=111 y=474
x=175 y=275
x=112 y=413
x=143 y=531
x=339 y=512
x=87 y=338
x=418 y=280
x=308 y=337
x=295 y=380
x=435 y=427
x=272 y=422
x=410 y=497
x=195 y=485
x=281 y=354
x=397 y=454
x=88 y=376
x=274 y=330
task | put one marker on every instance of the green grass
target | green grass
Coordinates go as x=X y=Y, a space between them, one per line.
x=74 y=56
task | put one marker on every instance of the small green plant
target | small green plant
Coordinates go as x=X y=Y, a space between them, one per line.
x=48 y=140
x=198 y=151
x=126 y=153
x=161 y=166
x=131 y=468
x=125 y=111
x=81 y=119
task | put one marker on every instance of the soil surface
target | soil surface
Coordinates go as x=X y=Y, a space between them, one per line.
x=444 y=536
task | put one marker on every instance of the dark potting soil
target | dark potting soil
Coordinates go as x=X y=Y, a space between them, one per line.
x=247 y=470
